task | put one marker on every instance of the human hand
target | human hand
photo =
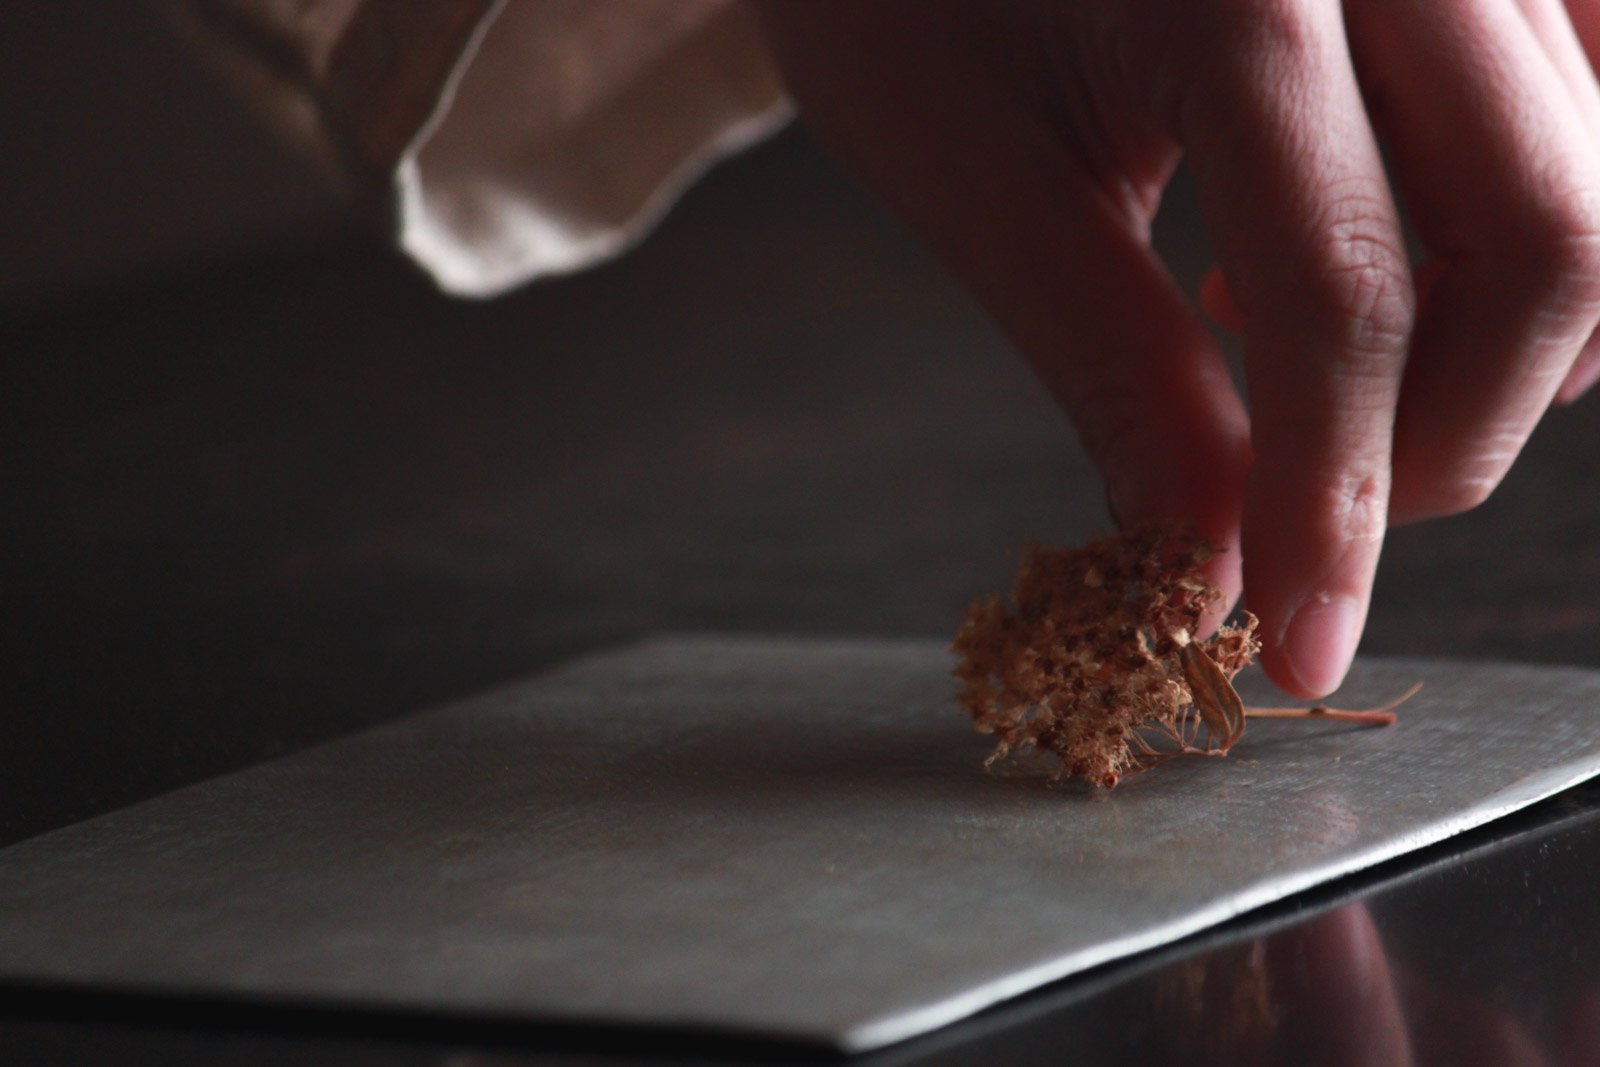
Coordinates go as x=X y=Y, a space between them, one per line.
x=1028 y=142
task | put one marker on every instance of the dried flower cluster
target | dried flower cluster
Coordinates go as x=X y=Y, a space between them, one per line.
x=1097 y=663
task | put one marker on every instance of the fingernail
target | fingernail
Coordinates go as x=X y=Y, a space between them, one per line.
x=1320 y=642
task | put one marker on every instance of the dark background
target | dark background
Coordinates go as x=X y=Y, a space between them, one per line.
x=260 y=485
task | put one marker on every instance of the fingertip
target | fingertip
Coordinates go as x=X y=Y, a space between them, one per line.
x=1581 y=378
x=1310 y=559
x=1318 y=645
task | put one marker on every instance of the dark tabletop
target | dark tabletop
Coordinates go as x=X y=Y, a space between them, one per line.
x=261 y=506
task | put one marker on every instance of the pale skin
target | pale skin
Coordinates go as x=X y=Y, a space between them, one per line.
x=1028 y=143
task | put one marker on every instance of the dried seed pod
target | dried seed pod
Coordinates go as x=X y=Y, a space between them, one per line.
x=1214 y=697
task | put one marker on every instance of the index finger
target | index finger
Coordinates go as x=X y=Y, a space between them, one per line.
x=1308 y=238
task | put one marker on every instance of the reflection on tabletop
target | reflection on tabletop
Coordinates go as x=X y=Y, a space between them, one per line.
x=1329 y=992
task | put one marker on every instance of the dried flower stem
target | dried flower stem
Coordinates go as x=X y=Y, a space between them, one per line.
x=1382 y=715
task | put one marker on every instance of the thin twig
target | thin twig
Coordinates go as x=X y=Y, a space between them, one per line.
x=1382 y=715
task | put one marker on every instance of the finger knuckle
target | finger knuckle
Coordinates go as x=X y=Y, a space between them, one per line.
x=1276 y=26
x=1360 y=294
x=1558 y=246
x=1239 y=41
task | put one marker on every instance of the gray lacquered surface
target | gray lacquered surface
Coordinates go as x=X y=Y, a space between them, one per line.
x=793 y=837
